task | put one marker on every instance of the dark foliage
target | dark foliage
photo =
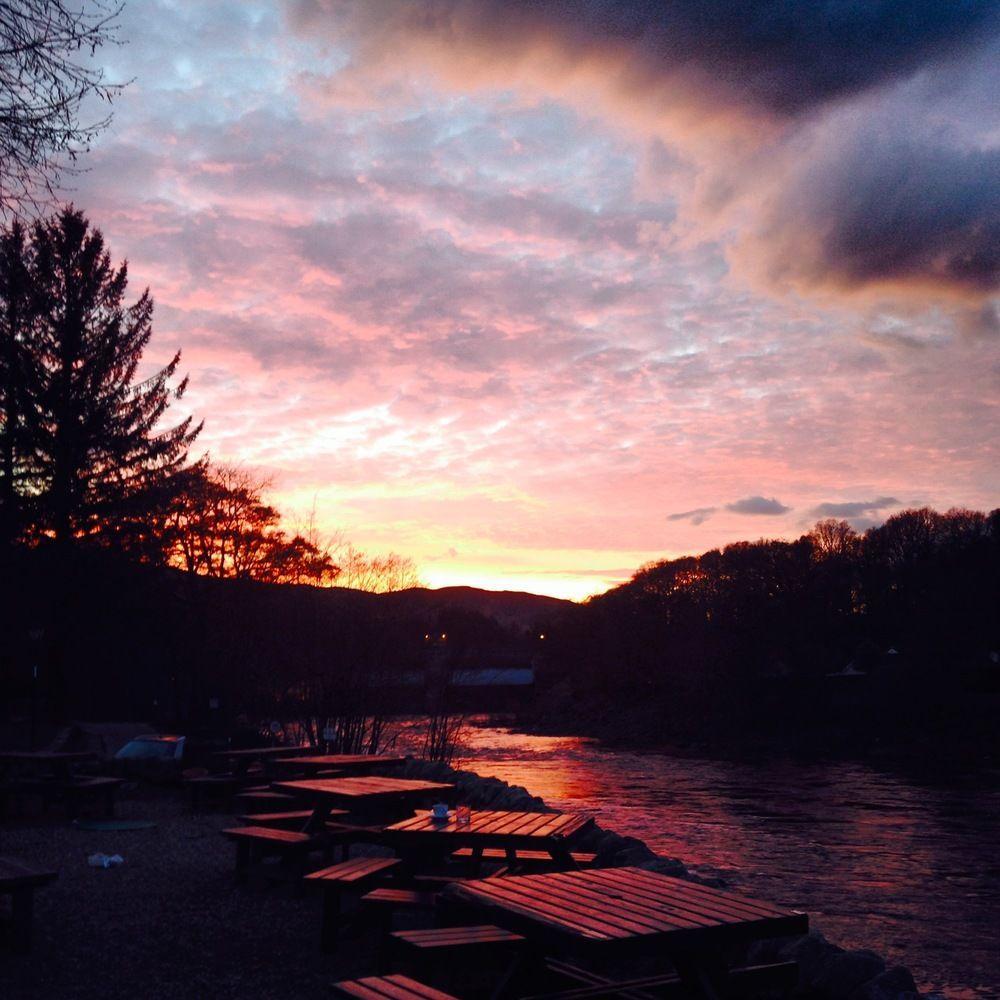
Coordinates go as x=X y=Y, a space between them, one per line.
x=757 y=637
x=219 y=524
x=193 y=653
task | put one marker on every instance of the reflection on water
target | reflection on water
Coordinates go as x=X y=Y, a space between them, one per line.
x=907 y=866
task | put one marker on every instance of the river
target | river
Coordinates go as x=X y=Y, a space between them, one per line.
x=906 y=863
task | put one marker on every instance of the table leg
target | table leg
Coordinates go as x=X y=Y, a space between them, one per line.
x=697 y=977
x=330 y=931
x=500 y=986
x=562 y=857
x=22 y=906
x=242 y=860
x=317 y=822
x=475 y=860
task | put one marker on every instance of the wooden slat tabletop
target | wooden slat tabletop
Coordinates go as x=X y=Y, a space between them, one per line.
x=260 y=753
x=619 y=904
x=395 y=987
x=494 y=824
x=15 y=873
x=342 y=761
x=47 y=756
x=372 y=786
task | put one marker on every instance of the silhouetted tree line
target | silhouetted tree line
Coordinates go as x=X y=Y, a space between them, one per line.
x=754 y=631
x=85 y=458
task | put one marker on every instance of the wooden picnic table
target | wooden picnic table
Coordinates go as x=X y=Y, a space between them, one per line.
x=511 y=831
x=19 y=881
x=47 y=773
x=633 y=911
x=52 y=779
x=58 y=762
x=242 y=759
x=354 y=762
x=374 y=795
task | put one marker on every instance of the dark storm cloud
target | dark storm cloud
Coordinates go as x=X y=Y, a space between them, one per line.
x=848 y=214
x=899 y=212
x=758 y=506
x=784 y=56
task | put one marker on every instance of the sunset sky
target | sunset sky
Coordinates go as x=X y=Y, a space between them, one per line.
x=537 y=292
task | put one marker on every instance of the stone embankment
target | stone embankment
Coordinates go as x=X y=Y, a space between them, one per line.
x=826 y=971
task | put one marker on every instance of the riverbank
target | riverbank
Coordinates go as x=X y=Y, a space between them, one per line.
x=958 y=734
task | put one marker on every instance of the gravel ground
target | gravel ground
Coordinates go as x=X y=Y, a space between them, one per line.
x=169 y=923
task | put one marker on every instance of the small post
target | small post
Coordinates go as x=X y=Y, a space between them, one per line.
x=32 y=736
x=35 y=634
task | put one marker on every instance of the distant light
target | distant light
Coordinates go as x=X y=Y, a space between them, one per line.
x=444 y=635
x=426 y=635
x=542 y=636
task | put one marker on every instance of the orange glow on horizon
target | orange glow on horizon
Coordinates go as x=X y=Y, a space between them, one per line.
x=565 y=587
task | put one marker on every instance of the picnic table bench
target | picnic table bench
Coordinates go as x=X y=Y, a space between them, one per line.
x=588 y=985
x=389 y=899
x=395 y=987
x=631 y=911
x=19 y=881
x=596 y=987
x=463 y=957
x=548 y=834
x=86 y=787
x=253 y=843
x=293 y=819
x=449 y=940
x=59 y=763
x=256 y=798
x=220 y=787
x=352 y=877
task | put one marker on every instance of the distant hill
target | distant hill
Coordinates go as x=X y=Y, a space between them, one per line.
x=509 y=608
x=512 y=608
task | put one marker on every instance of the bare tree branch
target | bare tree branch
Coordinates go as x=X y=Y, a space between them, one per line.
x=45 y=76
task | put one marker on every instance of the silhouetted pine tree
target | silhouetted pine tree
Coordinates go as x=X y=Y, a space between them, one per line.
x=103 y=462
